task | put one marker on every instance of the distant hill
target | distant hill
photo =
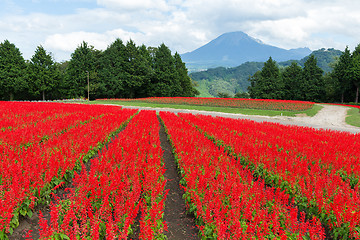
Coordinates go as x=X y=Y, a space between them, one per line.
x=324 y=58
x=234 y=48
x=225 y=80
x=233 y=80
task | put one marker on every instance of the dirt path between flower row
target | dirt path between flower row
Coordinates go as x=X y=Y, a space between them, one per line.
x=180 y=224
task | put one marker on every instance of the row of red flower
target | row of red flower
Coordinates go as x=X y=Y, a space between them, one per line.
x=227 y=201
x=313 y=166
x=315 y=172
x=28 y=173
x=264 y=104
x=338 y=157
x=127 y=176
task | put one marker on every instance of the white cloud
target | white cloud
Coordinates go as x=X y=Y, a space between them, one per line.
x=185 y=25
x=324 y=25
x=69 y=41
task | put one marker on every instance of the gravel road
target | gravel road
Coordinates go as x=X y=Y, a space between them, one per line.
x=329 y=117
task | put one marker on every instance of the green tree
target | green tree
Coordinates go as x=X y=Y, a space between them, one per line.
x=255 y=85
x=112 y=69
x=137 y=70
x=355 y=75
x=163 y=82
x=146 y=54
x=43 y=74
x=341 y=75
x=331 y=88
x=312 y=84
x=12 y=72
x=181 y=73
x=291 y=77
x=267 y=84
x=273 y=84
x=354 y=71
x=61 y=90
x=83 y=60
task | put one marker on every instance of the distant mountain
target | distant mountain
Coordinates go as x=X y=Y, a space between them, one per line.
x=235 y=79
x=234 y=48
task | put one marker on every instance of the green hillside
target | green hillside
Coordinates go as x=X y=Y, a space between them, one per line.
x=225 y=80
x=233 y=80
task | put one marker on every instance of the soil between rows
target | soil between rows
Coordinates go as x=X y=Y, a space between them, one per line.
x=180 y=225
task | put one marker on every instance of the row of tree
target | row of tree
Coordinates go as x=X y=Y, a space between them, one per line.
x=309 y=83
x=120 y=71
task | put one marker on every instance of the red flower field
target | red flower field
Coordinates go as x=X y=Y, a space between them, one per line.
x=241 y=179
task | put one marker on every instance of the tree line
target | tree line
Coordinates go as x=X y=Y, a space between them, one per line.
x=123 y=70
x=309 y=83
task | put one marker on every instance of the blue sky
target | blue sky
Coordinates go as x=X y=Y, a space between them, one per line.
x=53 y=7
x=183 y=25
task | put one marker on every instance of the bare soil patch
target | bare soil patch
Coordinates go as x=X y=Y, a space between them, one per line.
x=180 y=224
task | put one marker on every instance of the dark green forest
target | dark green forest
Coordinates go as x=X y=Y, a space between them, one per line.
x=123 y=70
x=309 y=83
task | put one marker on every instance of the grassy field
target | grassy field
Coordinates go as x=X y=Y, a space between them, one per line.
x=203 y=89
x=353 y=117
x=310 y=112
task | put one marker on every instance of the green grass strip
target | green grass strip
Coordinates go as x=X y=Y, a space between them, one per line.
x=353 y=117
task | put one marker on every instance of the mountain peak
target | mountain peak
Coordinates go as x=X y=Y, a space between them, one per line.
x=234 y=48
x=236 y=37
x=231 y=39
